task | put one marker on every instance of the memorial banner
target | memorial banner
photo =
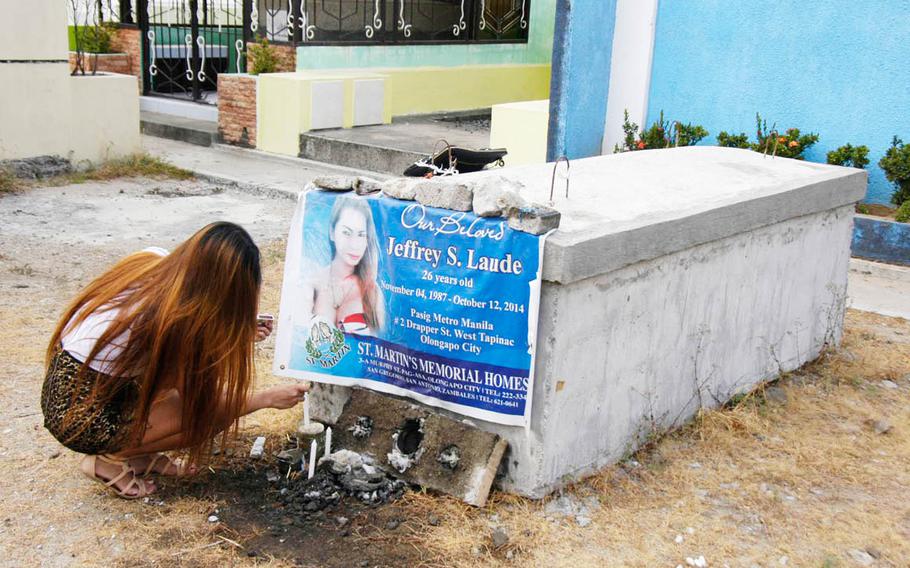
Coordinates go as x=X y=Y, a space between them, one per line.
x=436 y=305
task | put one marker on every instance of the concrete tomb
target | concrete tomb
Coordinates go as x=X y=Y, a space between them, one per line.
x=678 y=278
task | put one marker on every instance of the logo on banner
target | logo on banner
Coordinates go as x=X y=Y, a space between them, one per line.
x=325 y=346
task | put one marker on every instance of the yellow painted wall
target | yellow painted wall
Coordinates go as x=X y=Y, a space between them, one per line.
x=284 y=99
x=34 y=110
x=521 y=128
x=419 y=90
x=284 y=103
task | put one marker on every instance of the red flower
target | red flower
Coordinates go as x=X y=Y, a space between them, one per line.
x=782 y=139
x=794 y=143
x=641 y=145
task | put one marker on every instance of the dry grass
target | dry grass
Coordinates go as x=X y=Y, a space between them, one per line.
x=134 y=165
x=808 y=479
x=9 y=183
x=131 y=166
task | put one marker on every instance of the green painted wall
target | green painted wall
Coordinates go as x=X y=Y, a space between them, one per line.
x=537 y=50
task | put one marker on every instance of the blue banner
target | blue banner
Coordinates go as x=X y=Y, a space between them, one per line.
x=437 y=305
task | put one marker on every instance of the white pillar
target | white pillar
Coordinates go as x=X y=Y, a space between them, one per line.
x=630 y=70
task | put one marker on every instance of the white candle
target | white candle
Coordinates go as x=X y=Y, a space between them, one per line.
x=328 y=441
x=312 y=471
x=306 y=409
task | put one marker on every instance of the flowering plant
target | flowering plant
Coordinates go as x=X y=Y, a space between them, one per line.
x=791 y=144
x=661 y=134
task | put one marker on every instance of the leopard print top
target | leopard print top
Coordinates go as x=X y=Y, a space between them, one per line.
x=91 y=428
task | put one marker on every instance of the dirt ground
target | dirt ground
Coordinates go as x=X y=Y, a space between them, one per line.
x=813 y=473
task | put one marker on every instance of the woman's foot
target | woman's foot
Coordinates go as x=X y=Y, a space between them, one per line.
x=160 y=464
x=117 y=475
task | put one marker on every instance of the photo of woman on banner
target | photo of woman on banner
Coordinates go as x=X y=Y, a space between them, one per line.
x=344 y=293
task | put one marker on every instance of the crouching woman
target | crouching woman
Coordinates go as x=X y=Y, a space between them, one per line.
x=156 y=354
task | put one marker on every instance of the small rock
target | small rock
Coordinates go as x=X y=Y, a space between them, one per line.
x=889 y=384
x=252 y=553
x=495 y=196
x=475 y=550
x=392 y=525
x=698 y=562
x=341 y=521
x=679 y=539
x=272 y=476
x=776 y=394
x=861 y=557
x=364 y=563
x=433 y=520
x=510 y=555
x=500 y=537
x=881 y=426
x=335 y=183
x=783 y=560
x=213 y=518
x=582 y=521
x=534 y=219
x=445 y=194
x=401 y=188
x=258 y=448
x=366 y=186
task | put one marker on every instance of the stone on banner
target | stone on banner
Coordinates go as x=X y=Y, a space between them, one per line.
x=401 y=188
x=534 y=219
x=366 y=186
x=445 y=194
x=335 y=183
x=495 y=196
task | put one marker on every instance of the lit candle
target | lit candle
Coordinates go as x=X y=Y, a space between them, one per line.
x=312 y=471
x=306 y=409
x=328 y=441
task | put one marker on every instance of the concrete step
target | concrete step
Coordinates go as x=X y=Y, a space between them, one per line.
x=390 y=148
x=191 y=130
x=354 y=154
x=207 y=110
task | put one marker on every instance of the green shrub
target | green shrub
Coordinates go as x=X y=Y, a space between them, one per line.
x=849 y=156
x=661 y=134
x=896 y=165
x=264 y=58
x=740 y=140
x=903 y=212
x=96 y=39
x=791 y=144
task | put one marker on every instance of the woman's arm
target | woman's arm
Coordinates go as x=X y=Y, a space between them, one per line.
x=280 y=397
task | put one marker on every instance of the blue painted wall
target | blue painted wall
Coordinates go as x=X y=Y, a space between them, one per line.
x=840 y=68
x=881 y=240
x=580 y=77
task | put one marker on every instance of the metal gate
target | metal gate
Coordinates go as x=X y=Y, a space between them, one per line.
x=188 y=43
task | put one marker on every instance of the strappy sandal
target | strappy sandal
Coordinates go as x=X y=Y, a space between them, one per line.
x=88 y=468
x=182 y=467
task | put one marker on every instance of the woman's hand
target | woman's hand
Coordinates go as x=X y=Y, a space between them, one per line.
x=287 y=396
x=263 y=329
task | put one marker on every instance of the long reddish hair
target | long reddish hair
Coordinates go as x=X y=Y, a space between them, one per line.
x=191 y=319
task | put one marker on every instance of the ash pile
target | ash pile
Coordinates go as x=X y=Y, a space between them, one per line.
x=340 y=474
